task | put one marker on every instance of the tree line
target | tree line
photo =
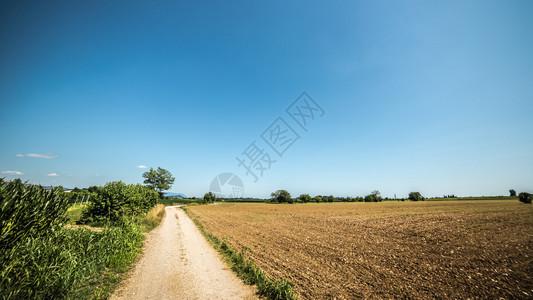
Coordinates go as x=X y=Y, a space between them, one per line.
x=283 y=196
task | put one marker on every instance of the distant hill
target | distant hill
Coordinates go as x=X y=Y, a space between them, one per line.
x=175 y=195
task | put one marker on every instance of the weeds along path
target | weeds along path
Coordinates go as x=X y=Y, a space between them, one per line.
x=178 y=263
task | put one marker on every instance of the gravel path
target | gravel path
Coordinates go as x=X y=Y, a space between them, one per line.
x=178 y=263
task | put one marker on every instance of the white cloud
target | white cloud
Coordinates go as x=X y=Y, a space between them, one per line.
x=13 y=173
x=47 y=155
x=52 y=174
x=98 y=175
x=142 y=167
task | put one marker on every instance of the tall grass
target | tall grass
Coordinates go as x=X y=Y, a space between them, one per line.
x=40 y=259
x=154 y=217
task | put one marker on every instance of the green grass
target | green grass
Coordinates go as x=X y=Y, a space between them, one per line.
x=69 y=263
x=42 y=259
x=245 y=268
x=74 y=213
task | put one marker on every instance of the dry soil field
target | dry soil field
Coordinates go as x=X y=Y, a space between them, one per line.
x=459 y=249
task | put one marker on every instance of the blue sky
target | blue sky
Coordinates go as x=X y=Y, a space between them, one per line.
x=417 y=95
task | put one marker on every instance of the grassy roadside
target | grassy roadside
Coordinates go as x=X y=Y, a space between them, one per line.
x=75 y=262
x=246 y=269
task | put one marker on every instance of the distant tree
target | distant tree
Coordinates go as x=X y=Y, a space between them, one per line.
x=317 y=199
x=331 y=198
x=415 y=196
x=375 y=196
x=525 y=197
x=76 y=190
x=210 y=197
x=159 y=180
x=92 y=189
x=305 y=198
x=281 y=196
x=512 y=193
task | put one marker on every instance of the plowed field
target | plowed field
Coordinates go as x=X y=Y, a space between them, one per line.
x=449 y=249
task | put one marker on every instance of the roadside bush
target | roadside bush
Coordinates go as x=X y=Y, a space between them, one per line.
x=525 y=197
x=415 y=196
x=116 y=199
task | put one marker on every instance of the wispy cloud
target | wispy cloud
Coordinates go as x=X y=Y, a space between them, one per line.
x=46 y=156
x=13 y=173
x=142 y=167
x=52 y=174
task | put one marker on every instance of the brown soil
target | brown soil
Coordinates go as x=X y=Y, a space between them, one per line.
x=460 y=249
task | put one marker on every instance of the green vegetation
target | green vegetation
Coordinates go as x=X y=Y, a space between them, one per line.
x=209 y=198
x=281 y=196
x=525 y=197
x=375 y=196
x=305 y=198
x=159 y=180
x=415 y=196
x=74 y=214
x=116 y=199
x=512 y=193
x=42 y=259
x=245 y=268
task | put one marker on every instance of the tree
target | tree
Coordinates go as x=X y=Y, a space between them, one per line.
x=375 y=196
x=159 y=180
x=281 y=196
x=305 y=198
x=512 y=193
x=525 y=197
x=210 y=197
x=415 y=196
x=317 y=199
x=331 y=198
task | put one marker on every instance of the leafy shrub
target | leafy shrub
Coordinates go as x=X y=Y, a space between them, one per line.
x=210 y=197
x=525 y=197
x=281 y=196
x=116 y=199
x=415 y=196
x=305 y=198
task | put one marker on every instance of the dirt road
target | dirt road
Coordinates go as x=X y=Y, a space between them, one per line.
x=178 y=263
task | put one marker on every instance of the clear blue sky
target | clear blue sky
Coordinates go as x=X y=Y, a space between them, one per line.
x=428 y=96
